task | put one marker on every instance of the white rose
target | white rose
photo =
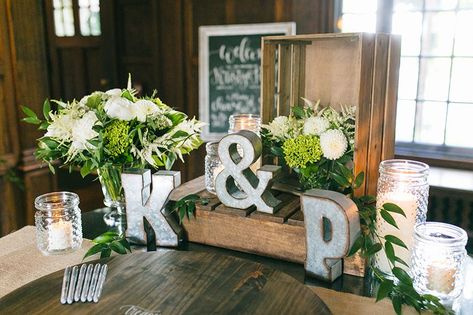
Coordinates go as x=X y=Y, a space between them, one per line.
x=333 y=143
x=120 y=108
x=315 y=126
x=114 y=92
x=144 y=108
x=82 y=131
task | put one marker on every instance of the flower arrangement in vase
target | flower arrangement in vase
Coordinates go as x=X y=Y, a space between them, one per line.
x=109 y=131
x=316 y=143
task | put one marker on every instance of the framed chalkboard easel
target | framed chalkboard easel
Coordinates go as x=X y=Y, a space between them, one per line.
x=229 y=72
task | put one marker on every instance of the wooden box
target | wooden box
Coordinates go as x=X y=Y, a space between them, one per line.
x=358 y=69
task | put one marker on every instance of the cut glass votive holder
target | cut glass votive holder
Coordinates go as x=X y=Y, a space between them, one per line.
x=437 y=260
x=58 y=223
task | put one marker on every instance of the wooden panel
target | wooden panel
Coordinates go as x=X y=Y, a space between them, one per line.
x=268 y=53
x=37 y=182
x=391 y=97
x=284 y=80
x=378 y=97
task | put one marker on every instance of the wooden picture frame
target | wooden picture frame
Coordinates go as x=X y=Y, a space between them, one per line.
x=237 y=67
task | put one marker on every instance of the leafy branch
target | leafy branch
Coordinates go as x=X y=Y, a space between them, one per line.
x=185 y=207
x=369 y=242
x=108 y=242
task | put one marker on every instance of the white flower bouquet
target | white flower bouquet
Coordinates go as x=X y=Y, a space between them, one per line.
x=317 y=143
x=107 y=131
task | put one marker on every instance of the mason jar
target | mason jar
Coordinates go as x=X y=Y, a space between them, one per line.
x=213 y=166
x=249 y=122
x=404 y=183
x=437 y=260
x=58 y=223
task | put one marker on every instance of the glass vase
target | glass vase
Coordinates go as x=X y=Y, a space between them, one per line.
x=114 y=196
x=404 y=183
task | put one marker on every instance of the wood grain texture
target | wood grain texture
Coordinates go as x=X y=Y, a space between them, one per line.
x=280 y=235
x=176 y=282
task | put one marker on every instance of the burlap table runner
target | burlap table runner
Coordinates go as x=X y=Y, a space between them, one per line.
x=21 y=263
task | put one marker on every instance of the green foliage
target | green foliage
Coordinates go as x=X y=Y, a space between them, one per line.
x=108 y=242
x=185 y=207
x=401 y=291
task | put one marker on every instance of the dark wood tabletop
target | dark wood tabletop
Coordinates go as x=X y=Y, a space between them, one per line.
x=93 y=225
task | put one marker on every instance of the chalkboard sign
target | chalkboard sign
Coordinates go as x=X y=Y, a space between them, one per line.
x=229 y=72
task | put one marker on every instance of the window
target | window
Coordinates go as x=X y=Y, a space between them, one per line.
x=88 y=13
x=435 y=98
x=63 y=18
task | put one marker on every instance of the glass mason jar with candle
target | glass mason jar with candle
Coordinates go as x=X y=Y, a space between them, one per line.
x=213 y=166
x=437 y=260
x=249 y=122
x=58 y=223
x=404 y=183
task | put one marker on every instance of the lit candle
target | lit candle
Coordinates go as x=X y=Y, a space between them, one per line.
x=441 y=276
x=59 y=235
x=403 y=183
x=407 y=202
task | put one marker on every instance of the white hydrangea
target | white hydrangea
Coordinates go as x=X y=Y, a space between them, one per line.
x=120 y=108
x=315 y=126
x=333 y=143
x=279 y=127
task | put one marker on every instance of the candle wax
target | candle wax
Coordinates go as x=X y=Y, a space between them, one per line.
x=441 y=277
x=60 y=235
x=408 y=204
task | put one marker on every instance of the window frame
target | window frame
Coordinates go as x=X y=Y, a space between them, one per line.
x=435 y=155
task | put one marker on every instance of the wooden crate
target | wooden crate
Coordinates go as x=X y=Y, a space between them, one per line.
x=280 y=235
x=347 y=68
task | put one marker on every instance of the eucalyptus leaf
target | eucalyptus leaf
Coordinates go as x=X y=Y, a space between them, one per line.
x=388 y=218
x=391 y=207
x=402 y=275
x=373 y=249
x=395 y=240
x=356 y=245
x=385 y=288
x=390 y=252
x=397 y=304
x=399 y=260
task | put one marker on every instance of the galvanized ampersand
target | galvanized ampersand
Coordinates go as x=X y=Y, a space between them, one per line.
x=252 y=189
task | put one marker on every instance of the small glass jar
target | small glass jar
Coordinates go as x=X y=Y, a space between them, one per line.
x=404 y=183
x=437 y=260
x=58 y=223
x=249 y=122
x=213 y=166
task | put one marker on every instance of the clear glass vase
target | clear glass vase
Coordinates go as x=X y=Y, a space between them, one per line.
x=114 y=196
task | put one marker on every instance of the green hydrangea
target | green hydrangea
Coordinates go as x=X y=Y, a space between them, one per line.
x=116 y=137
x=302 y=150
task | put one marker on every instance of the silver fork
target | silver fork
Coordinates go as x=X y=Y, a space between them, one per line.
x=84 y=284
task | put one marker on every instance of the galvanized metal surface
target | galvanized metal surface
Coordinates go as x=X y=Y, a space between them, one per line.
x=141 y=202
x=326 y=250
x=237 y=186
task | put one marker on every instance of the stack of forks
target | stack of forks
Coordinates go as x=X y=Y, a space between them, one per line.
x=84 y=284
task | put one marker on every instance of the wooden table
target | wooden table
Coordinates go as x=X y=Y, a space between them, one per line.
x=175 y=282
